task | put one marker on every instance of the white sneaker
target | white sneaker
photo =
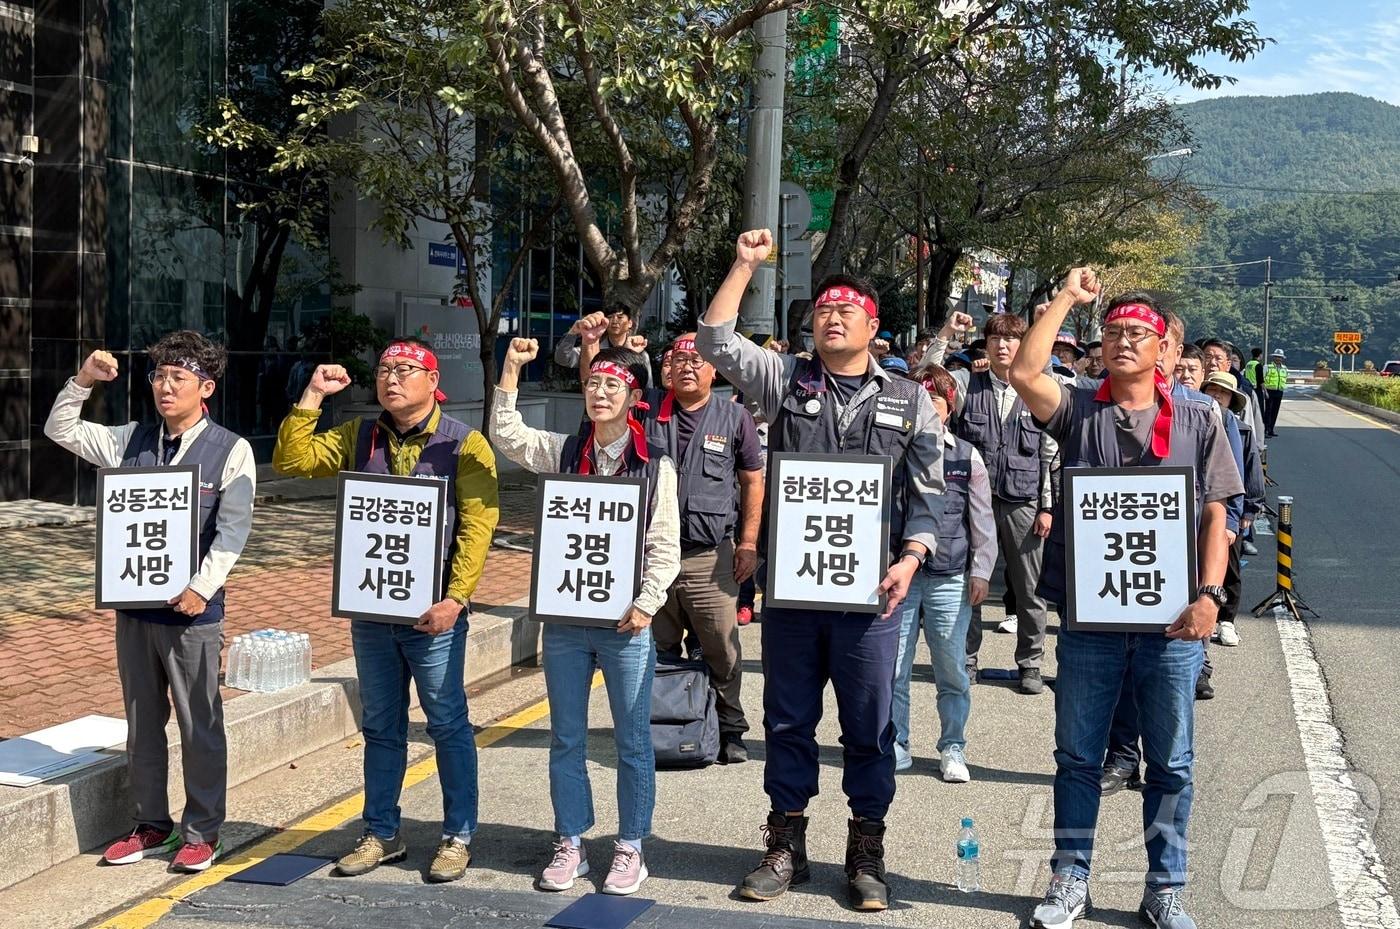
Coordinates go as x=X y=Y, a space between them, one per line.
x=955 y=766
x=1226 y=634
x=1007 y=625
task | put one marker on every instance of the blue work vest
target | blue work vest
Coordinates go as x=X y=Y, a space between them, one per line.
x=954 y=524
x=1010 y=449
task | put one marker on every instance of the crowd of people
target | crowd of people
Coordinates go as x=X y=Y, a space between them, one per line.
x=979 y=428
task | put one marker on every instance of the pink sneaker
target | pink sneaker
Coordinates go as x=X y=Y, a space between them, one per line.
x=627 y=872
x=569 y=862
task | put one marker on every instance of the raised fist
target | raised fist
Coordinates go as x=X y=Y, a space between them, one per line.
x=523 y=351
x=959 y=321
x=753 y=247
x=637 y=343
x=328 y=380
x=1082 y=284
x=590 y=328
x=99 y=366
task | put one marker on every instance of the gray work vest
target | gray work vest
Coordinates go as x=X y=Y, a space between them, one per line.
x=954 y=524
x=807 y=421
x=1011 y=450
x=708 y=489
x=1092 y=442
x=210 y=450
x=438 y=458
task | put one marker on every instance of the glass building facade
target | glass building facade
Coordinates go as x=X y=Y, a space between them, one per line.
x=120 y=224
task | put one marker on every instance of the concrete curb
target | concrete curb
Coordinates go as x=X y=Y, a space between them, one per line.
x=1384 y=415
x=50 y=823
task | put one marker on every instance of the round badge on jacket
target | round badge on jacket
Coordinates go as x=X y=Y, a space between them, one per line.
x=813 y=406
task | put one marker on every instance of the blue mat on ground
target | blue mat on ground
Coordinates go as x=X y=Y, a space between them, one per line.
x=600 y=911
x=280 y=870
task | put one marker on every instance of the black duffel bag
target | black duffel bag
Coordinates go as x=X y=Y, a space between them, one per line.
x=684 y=721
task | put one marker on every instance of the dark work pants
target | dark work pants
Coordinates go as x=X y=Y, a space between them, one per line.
x=856 y=652
x=161 y=664
x=1234 y=586
x=1272 y=405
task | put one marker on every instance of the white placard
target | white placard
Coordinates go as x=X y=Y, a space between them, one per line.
x=1130 y=547
x=828 y=531
x=147 y=535
x=389 y=546
x=588 y=548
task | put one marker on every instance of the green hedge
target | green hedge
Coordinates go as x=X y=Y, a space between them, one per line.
x=1378 y=391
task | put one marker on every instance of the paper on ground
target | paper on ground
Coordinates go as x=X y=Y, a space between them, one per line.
x=40 y=756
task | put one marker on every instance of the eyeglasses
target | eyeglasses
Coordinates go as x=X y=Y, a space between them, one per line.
x=609 y=386
x=1133 y=335
x=687 y=361
x=400 y=372
x=177 y=381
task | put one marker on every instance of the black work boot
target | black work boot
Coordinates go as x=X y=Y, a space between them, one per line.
x=784 y=864
x=865 y=865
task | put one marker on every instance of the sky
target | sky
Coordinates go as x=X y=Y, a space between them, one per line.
x=1319 y=45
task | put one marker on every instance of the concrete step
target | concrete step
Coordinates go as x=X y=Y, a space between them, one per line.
x=49 y=823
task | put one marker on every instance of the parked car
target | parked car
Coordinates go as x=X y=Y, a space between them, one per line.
x=1391 y=369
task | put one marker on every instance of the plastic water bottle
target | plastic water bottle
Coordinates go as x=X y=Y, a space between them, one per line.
x=235 y=652
x=305 y=657
x=969 y=850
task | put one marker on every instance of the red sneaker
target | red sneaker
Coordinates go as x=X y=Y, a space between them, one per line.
x=197 y=856
x=745 y=615
x=143 y=841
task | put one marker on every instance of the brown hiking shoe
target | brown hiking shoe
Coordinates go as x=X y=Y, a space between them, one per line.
x=784 y=864
x=371 y=852
x=451 y=860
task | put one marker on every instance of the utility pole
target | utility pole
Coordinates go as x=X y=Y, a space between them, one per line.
x=1268 y=285
x=763 y=171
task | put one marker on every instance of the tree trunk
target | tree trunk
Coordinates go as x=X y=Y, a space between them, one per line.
x=941 y=263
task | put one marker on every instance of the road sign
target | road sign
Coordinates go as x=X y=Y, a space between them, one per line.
x=1346 y=348
x=1347 y=338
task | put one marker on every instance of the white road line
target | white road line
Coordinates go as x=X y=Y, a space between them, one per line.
x=1358 y=874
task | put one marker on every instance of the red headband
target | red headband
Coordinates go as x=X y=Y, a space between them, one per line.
x=849 y=295
x=683 y=345
x=419 y=353
x=1142 y=313
x=951 y=396
x=618 y=371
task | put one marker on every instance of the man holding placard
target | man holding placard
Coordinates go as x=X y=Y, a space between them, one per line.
x=1133 y=424
x=170 y=653
x=619 y=641
x=856 y=454
x=413 y=437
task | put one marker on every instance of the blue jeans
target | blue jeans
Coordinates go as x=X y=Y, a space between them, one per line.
x=571 y=654
x=387 y=655
x=1092 y=667
x=802 y=650
x=942 y=601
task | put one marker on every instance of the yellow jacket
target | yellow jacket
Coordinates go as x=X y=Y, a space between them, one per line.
x=303 y=452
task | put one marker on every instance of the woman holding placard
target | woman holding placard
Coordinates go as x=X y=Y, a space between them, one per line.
x=613 y=445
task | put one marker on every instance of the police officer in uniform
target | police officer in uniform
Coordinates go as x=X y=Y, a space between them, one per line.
x=838 y=401
x=715 y=446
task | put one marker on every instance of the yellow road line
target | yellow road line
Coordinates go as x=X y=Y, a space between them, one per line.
x=293 y=837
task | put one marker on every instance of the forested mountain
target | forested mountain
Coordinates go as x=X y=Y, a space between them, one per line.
x=1336 y=257
x=1326 y=142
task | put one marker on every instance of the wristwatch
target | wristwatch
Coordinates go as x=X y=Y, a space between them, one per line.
x=1214 y=591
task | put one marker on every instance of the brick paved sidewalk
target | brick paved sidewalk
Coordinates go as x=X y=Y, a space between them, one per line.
x=57 y=660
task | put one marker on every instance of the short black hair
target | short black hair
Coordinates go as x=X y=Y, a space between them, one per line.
x=1221 y=344
x=859 y=284
x=619 y=308
x=635 y=362
x=1193 y=352
x=1256 y=352
x=1092 y=345
x=188 y=345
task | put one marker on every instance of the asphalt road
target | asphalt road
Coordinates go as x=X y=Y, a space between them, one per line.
x=1264 y=839
x=1343 y=470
